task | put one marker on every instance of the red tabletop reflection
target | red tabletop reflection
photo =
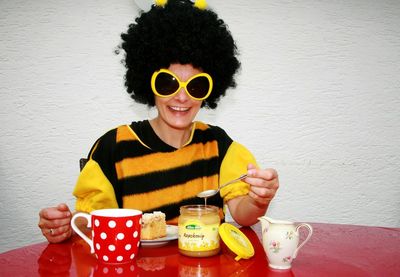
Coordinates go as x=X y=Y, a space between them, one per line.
x=333 y=250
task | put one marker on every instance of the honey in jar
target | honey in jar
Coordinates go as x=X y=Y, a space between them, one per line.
x=198 y=230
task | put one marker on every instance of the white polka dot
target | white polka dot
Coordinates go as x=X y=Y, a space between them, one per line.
x=129 y=223
x=105 y=270
x=96 y=222
x=105 y=258
x=111 y=247
x=132 y=268
x=140 y=221
x=135 y=234
x=120 y=236
x=120 y=258
x=103 y=235
x=132 y=256
x=97 y=246
x=120 y=270
x=92 y=234
x=112 y=224
x=138 y=243
x=128 y=247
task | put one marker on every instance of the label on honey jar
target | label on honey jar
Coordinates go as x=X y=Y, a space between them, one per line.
x=197 y=236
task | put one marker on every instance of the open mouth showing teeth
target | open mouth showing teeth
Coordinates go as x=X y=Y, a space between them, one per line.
x=179 y=109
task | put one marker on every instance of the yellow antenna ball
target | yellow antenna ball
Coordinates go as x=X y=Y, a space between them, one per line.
x=161 y=3
x=200 y=4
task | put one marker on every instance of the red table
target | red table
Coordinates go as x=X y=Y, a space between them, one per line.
x=333 y=250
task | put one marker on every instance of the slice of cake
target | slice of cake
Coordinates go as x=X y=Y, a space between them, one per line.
x=153 y=226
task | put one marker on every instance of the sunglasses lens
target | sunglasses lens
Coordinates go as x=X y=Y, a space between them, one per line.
x=166 y=84
x=198 y=87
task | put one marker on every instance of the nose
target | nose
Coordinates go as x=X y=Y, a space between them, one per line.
x=182 y=95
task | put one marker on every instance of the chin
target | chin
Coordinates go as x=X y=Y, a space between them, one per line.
x=181 y=125
x=181 y=121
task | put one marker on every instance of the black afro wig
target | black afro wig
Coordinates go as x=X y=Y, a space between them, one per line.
x=178 y=33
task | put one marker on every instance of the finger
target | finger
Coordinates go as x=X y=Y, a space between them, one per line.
x=63 y=207
x=45 y=223
x=261 y=192
x=262 y=183
x=59 y=238
x=58 y=234
x=266 y=174
x=263 y=201
x=54 y=223
x=60 y=230
x=271 y=174
x=53 y=213
x=54 y=231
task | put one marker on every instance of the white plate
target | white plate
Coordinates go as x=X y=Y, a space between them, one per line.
x=172 y=234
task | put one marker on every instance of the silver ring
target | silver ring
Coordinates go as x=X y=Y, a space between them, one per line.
x=51 y=231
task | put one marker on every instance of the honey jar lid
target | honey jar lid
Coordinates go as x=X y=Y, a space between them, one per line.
x=236 y=241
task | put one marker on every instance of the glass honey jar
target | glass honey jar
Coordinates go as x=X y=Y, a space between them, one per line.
x=198 y=230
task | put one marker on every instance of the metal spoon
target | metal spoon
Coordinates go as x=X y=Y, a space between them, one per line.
x=212 y=192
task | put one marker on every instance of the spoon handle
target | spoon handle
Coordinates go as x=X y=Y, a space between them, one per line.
x=234 y=180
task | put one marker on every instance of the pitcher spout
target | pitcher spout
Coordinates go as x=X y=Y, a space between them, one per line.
x=265 y=222
x=264 y=219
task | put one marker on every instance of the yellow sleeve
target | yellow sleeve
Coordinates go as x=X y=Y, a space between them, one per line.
x=93 y=190
x=233 y=165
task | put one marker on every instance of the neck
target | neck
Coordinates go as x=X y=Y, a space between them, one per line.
x=176 y=137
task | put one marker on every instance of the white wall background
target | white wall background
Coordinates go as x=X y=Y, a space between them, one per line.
x=318 y=99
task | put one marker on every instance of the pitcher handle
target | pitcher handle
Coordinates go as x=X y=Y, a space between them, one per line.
x=310 y=231
x=79 y=232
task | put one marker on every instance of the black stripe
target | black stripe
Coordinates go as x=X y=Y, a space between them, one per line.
x=202 y=136
x=103 y=154
x=224 y=141
x=131 y=149
x=168 y=178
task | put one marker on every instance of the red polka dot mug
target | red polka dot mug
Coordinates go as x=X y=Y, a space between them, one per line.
x=115 y=234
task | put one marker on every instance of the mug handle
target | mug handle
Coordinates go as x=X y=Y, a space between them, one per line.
x=79 y=232
x=310 y=231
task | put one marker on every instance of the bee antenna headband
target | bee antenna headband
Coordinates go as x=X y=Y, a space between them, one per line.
x=200 y=4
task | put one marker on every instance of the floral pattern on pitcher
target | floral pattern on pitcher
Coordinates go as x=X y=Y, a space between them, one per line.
x=287 y=259
x=290 y=235
x=275 y=246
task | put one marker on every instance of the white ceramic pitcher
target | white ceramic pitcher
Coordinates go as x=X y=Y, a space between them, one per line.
x=281 y=241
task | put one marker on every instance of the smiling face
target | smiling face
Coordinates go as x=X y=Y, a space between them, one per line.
x=179 y=110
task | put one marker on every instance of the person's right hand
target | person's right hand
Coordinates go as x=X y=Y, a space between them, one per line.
x=55 y=223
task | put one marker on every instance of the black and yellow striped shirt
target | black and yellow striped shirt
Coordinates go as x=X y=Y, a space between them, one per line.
x=131 y=167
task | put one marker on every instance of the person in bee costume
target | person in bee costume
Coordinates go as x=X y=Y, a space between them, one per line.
x=179 y=57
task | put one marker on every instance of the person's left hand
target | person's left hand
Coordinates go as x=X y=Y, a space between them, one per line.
x=263 y=184
x=55 y=223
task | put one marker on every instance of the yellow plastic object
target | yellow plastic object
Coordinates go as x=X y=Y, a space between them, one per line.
x=236 y=241
x=200 y=4
x=161 y=3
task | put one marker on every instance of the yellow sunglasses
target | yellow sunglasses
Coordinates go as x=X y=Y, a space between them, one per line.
x=165 y=83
